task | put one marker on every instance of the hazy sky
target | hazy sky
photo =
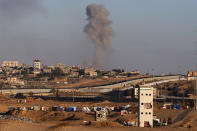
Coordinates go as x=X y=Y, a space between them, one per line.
x=150 y=35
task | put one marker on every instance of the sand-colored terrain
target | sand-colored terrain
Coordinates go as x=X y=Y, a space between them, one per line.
x=19 y=126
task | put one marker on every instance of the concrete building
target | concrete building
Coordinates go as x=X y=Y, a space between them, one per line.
x=36 y=72
x=135 y=72
x=74 y=74
x=15 y=81
x=155 y=92
x=60 y=65
x=192 y=74
x=89 y=71
x=61 y=80
x=47 y=70
x=101 y=115
x=37 y=64
x=145 y=106
x=10 y=64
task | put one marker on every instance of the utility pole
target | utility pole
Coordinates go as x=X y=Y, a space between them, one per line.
x=195 y=94
x=73 y=96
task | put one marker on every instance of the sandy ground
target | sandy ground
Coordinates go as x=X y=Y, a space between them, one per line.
x=17 y=126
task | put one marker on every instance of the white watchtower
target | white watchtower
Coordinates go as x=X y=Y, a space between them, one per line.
x=145 y=106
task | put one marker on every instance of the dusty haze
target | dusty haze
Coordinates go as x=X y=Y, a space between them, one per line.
x=152 y=35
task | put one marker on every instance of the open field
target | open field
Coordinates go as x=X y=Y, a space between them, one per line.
x=48 y=120
x=18 y=126
x=73 y=121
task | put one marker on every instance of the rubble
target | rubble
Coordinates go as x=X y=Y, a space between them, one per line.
x=101 y=115
x=18 y=118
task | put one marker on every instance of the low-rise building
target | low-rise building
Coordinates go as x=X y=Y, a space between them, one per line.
x=61 y=80
x=15 y=81
x=74 y=74
x=192 y=74
x=36 y=72
x=60 y=65
x=135 y=72
x=90 y=71
x=47 y=70
x=10 y=64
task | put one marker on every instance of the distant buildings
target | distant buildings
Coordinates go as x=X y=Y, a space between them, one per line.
x=60 y=65
x=15 y=81
x=192 y=74
x=37 y=67
x=90 y=71
x=10 y=64
x=47 y=70
x=61 y=80
x=74 y=74
x=37 y=64
x=135 y=72
x=145 y=106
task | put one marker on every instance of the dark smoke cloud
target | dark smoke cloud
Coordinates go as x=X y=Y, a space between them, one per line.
x=99 y=30
x=19 y=8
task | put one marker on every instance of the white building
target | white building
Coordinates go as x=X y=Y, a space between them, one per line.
x=10 y=64
x=37 y=64
x=60 y=65
x=145 y=106
x=15 y=81
x=155 y=92
x=90 y=71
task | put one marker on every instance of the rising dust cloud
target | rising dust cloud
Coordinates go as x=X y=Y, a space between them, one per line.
x=99 y=31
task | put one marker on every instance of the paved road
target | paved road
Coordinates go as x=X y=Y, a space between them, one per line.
x=101 y=89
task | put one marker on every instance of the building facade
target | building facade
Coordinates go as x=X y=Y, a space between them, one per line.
x=192 y=74
x=37 y=64
x=145 y=106
x=10 y=64
x=155 y=92
x=90 y=71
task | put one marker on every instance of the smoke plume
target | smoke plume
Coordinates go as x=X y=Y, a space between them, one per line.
x=99 y=30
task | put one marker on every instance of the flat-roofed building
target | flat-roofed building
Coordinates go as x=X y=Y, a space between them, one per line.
x=135 y=95
x=10 y=64
x=90 y=71
x=60 y=65
x=192 y=74
x=15 y=81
